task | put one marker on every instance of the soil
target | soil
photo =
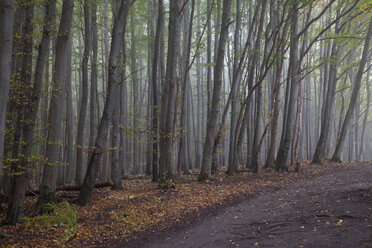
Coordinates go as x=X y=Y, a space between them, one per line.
x=331 y=210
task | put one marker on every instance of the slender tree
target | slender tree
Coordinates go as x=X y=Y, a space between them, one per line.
x=85 y=195
x=182 y=153
x=26 y=114
x=93 y=79
x=136 y=107
x=205 y=172
x=354 y=95
x=281 y=159
x=155 y=97
x=328 y=103
x=84 y=95
x=364 y=127
x=6 y=41
x=168 y=97
x=54 y=139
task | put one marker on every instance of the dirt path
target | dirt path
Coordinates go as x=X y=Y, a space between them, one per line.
x=328 y=211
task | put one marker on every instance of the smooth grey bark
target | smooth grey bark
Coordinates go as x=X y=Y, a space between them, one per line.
x=116 y=167
x=198 y=139
x=256 y=144
x=93 y=104
x=275 y=104
x=155 y=97
x=209 y=60
x=274 y=91
x=234 y=88
x=328 y=103
x=356 y=87
x=308 y=120
x=44 y=111
x=254 y=151
x=6 y=41
x=54 y=139
x=235 y=83
x=191 y=130
x=11 y=143
x=85 y=195
x=69 y=147
x=287 y=134
x=84 y=96
x=182 y=153
x=275 y=119
x=356 y=129
x=23 y=123
x=256 y=130
x=168 y=97
x=150 y=45
x=115 y=143
x=205 y=171
x=136 y=107
x=124 y=154
x=239 y=132
x=362 y=137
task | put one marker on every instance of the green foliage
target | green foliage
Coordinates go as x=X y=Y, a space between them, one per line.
x=168 y=184
x=60 y=215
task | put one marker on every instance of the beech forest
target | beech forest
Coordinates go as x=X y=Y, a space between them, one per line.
x=185 y=123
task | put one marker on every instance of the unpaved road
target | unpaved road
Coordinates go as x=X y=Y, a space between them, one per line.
x=328 y=211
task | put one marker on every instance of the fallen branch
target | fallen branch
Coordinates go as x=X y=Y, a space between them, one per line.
x=70 y=188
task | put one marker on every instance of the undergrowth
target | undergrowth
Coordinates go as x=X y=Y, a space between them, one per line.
x=58 y=215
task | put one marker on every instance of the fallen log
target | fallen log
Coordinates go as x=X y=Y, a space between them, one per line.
x=70 y=188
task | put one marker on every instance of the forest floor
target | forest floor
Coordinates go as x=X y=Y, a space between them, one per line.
x=327 y=205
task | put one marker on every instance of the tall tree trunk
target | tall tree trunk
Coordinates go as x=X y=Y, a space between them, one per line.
x=356 y=87
x=105 y=159
x=155 y=97
x=362 y=137
x=239 y=132
x=85 y=195
x=209 y=59
x=328 y=104
x=48 y=186
x=93 y=80
x=150 y=33
x=69 y=148
x=6 y=41
x=234 y=88
x=115 y=143
x=136 y=108
x=287 y=134
x=124 y=154
x=116 y=167
x=182 y=153
x=11 y=139
x=205 y=171
x=84 y=97
x=276 y=111
x=198 y=140
x=168 y=97
x=24 y=123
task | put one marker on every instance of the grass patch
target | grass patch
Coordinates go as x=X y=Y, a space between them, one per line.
x=58 y=215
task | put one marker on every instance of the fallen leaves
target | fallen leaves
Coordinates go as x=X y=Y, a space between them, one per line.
x=339 y=222
x=142 y=207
